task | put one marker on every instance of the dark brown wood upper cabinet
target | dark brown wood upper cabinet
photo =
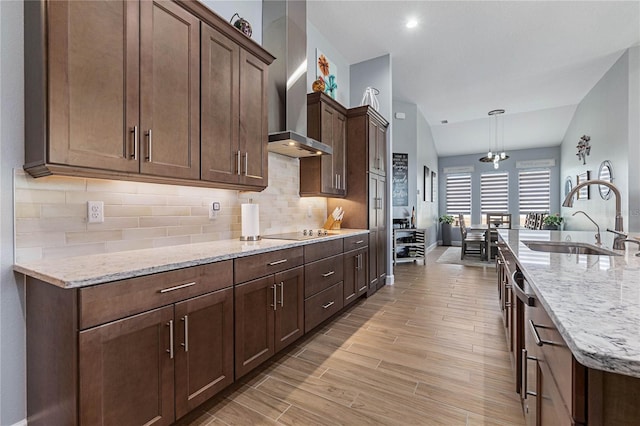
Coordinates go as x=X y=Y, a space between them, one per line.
x=234 y=112
x=325 y=175
x=114 y=92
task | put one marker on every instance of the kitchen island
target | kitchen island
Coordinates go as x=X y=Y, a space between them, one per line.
x=574 y=320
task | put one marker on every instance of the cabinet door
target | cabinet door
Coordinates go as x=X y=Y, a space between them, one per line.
x=362 y=277
x=126 y=371
x=340 y=152
x=253 y=120
x=328 y=174
x=170 y=90
x=350 y=289
x=93 y=50
x=383 y=235
x=373 y=262
x=289 y=319
x=220 y=62
x=381 y=148
x=204 y=348
x=255 y=304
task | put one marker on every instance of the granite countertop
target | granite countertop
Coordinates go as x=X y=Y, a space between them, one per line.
x=594 y=301
x=82 y=271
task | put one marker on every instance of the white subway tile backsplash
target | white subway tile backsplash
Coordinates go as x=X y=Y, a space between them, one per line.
x=50 y=219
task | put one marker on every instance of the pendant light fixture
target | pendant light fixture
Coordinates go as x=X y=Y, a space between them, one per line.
x=496 y=139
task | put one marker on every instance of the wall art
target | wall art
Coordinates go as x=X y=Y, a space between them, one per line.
x=326 y=75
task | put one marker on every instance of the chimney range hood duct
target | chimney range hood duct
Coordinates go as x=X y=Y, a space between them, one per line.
x=284 y=24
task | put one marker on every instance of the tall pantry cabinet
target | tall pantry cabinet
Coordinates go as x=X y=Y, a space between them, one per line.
x=365 y=204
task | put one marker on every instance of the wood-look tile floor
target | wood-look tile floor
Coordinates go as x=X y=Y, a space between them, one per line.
x=428 y=350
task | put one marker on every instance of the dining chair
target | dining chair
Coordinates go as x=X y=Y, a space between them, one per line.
x=472 y=243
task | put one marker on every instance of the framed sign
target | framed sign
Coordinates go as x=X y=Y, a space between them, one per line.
x=400 y=179
x=434 y=186
x=426 y=188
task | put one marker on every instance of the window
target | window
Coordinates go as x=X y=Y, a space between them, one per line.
x=534 y=188
x=494 y=194
x=459 y=196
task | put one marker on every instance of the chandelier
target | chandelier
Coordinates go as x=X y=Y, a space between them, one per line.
x=496 y=139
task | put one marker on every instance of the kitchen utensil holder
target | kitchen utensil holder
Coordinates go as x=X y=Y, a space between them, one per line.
x=331 y=223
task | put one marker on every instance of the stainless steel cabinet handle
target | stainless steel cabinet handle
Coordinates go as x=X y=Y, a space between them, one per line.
x=238 y=157
x=149 y=136
x=328 y=274
x=178 y=287
x=525 y=357
x=134 y=151
x=246 y=163
x=359 y=242
x=520 y=294
x=185 y=319
x=536 y=336
x=327 y=305
x=170 y=350
x=277 y=262
x=281 y=294
x=275 y=297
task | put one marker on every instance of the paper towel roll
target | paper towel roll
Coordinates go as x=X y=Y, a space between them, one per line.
x=250 y=222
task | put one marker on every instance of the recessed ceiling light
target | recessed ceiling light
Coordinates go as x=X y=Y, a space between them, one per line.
x=412 y=23
x=444 y=121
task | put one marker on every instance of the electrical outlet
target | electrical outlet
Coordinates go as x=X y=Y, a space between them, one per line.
x=95 y=211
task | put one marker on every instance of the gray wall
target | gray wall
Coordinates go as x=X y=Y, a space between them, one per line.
x=315 y=40
x=507 y=165
x=412 y=136
x=634 y=138
x=12 y=315
x=605 y=114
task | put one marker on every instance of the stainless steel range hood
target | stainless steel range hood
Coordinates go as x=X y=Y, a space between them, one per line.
x=284 y=24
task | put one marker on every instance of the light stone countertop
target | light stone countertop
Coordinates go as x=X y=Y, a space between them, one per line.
x=88 y=270
x=594 y=301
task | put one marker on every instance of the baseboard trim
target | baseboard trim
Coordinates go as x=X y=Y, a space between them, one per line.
x=390 y=280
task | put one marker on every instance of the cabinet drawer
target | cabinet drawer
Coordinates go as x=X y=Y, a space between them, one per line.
x=321 y=306
x=557 y=358
x=355 y=242
x=322 y=274
x=112 y=301
x=317 y=251
x=259 y=265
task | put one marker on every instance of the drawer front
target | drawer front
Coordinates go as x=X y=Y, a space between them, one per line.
x=322 y=274
x=260 y=265
x=107 y=302
x=555 y=356
x=355 y=242
x=317 y=251
x=321 y=306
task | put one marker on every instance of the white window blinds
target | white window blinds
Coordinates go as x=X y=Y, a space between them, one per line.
x=459 y=194
x=494 y=192
x=534 y=187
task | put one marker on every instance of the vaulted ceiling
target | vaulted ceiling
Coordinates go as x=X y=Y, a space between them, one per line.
x=535 y=59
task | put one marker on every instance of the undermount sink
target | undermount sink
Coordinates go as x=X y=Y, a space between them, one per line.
x=568 y=247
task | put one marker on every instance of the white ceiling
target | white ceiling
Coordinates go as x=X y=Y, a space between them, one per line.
x=535 y=59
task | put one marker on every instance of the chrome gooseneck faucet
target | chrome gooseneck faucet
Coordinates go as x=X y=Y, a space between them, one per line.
x=598 y=239
x=618 y=241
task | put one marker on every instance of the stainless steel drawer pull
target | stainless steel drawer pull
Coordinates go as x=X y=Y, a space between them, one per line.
x=150 y=142
x=275 y=298
x=359 y=242
x=170 y=350
x=134 y=151
x=178 y=287
x=525 y=357
x=277 y=262
x=536 y=336
x=185 y=319
x=327 y=305
x=328 y=274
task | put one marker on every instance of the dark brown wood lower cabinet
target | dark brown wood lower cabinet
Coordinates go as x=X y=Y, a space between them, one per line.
x=356 y=266
x=126 y=373
x=203 y=348
x=268 y=317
